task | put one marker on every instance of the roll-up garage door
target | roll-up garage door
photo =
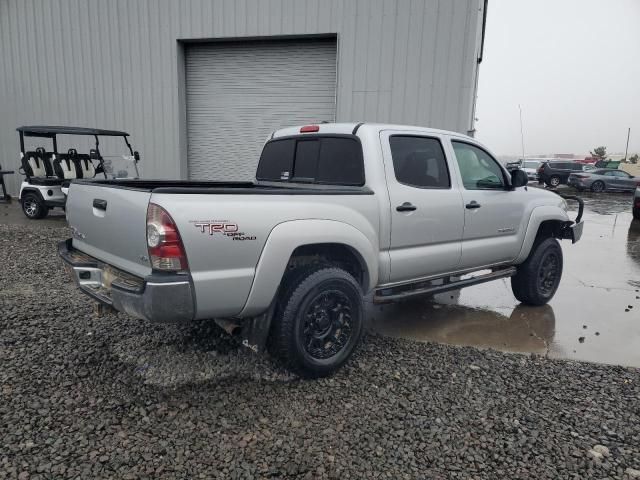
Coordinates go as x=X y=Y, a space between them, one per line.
x=239 y=92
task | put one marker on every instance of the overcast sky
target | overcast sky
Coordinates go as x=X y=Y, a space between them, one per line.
x=573 y=66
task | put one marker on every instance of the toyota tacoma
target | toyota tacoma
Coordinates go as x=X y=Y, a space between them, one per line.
x=336 y=212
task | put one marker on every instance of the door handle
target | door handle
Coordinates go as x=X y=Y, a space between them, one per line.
x=99 y=204
x=406 y=207
x=472 y=204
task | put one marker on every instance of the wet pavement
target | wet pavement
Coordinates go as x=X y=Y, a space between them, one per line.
x=595 y=315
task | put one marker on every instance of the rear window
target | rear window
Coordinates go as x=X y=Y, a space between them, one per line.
x=314 y=159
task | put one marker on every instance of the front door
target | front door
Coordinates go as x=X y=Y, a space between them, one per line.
x=493 y=213
x=427 y=216
x=621 y=180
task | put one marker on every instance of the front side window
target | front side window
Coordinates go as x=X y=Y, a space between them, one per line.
x=479 y=171
x=419 y=161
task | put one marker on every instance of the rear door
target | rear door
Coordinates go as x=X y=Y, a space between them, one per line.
x=494 y=214
x=427 y=216
x=110 y=224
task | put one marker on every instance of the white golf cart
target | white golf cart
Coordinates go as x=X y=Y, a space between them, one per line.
x=49 y=173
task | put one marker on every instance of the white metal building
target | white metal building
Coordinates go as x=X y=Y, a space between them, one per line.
x=200 y=84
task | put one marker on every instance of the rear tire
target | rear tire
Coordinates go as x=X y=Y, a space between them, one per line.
x=319 y=321
x=597 y=186
x=538 y=278
x=554 y=181
x=33 y=206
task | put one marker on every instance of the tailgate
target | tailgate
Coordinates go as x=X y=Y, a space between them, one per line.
x=109 y=223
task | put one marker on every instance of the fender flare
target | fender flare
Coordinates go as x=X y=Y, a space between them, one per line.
x=538 y=215
x=285 y=237
x=31 y=189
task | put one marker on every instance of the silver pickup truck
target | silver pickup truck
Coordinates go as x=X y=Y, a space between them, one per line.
x=336 y=212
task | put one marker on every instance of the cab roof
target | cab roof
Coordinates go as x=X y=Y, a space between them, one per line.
x=350 y=128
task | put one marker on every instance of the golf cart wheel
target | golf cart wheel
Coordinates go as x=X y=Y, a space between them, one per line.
x=537 y=279
x=33 y=206
x=554 y=181
x=597 y=186
x=318 y=322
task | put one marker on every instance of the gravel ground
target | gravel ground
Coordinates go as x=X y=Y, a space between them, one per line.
x=112 y=397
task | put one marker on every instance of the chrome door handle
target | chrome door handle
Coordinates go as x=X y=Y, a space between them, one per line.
x=406 y=207
x=472 y=204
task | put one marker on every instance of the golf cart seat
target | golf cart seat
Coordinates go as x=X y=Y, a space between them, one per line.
x=85 y=166
x=37 y=167
x=65 y=165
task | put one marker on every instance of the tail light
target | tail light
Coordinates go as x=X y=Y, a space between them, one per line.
x=638 y=202
x=310 y=129
x=540 y=168
x=163 y=241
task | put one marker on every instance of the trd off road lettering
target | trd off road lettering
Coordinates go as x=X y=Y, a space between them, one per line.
x=224 y=228
x=216 y=227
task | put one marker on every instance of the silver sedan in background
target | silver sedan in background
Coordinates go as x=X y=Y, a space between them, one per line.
x=603 y=179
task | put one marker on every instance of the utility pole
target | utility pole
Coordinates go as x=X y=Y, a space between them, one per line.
x=626 y=150
x=521 y=134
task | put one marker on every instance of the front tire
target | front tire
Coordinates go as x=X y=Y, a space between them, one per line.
x=597 y=186
x=538 y=278
x=33 y=207
x=318 y=322
x=554 y=181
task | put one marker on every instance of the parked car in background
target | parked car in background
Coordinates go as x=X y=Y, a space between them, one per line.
x=636 y=204
x=554 y=173
x=530 y=167
x=603 y=179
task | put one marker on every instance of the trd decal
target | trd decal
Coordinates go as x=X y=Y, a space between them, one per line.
x=223 y=228
x=216 y=227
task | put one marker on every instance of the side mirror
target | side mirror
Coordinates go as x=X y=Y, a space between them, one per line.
x=519 y=178
x=136 y=155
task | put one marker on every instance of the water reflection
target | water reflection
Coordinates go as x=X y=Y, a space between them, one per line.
x=526 y=329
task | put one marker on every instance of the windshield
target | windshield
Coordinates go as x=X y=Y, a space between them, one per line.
x=120 y=166
x=530 y=164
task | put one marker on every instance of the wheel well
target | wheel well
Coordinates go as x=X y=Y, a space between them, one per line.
x=31 y=190
x=550 y=229
x=331 y=254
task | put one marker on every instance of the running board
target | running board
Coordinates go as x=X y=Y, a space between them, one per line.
x=431 y=287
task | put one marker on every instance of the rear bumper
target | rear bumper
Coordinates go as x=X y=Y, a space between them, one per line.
x=157 y=298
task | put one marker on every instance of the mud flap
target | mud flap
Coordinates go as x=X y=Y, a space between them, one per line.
x=255 y=331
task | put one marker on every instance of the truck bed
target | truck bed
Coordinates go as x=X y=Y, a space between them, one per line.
x=227 y=188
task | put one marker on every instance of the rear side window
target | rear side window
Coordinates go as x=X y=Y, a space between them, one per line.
x=276 y=161
x=419 y=161
x=318 y=159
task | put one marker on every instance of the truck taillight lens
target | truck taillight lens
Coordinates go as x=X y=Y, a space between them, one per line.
x=163 y=241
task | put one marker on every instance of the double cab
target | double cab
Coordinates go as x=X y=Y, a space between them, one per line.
x=335 y=212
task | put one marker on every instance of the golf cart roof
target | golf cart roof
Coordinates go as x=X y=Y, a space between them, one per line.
x=51 y=131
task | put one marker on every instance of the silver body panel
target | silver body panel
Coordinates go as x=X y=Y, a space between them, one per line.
x=239 y=274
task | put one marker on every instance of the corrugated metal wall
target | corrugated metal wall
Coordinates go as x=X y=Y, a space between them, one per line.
x=118 y=63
